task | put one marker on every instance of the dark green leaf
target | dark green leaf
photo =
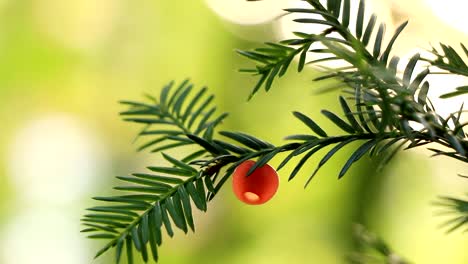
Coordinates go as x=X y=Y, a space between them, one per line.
x=373 y=116
x=185 y=199
x=161 y=132
x=392 y=154
x=327 y=157
x=103 y=250
x=324 y=14
x=378 y=40
x=129 y=247
x=311 y=124
x=153 y=244
x=460 y=90
x=141 y=189
x=177 y=218
x=418 y=80
x=231 y=147
x=193 y=102
x=272 y=76
x=316 y=21
x=339 y=122
x=393 y=65
x=255 y=56
x=384 y=147
x=110 y=217
x=166 y=221
x=144 y=252
x=301 y=137
x=285 y=65
x=164 y=93
x=199 y=111
x=302 y=58
x=337 y=8
x=193 y=156
x=144 y=182
x=422 y=95
x=201 y=193
x=360 y=19
x=263 y=160
x=90 y=229
x=208 y=146
x=118 y=251
x=209 y=184
x=346 y=13
x=259 y=83
x=150 y=111
x=453 y=57
x=96 y=227
x=110 y=223
x=178 y=163
x=369 y=29
x=387 y=51
x=102 y=236
x=176 y=93
x=180 y=100
x=136 y=238
x=155 y=222
x=151 y=143
x=165 y=179
x=124 y=209
x=173 y=171
x=149 y=121
x=410 y=68
x=156 y=217
x=247 y=140
x=349 y=115
x=362 y=119
x=203 y=122
x=170 y=146
x=143 y=229
x=301 y=149
x=213 y=124
x=456 y=144
x=197 y=200
x=301 y=163
x=357 y=155
x=123 y=199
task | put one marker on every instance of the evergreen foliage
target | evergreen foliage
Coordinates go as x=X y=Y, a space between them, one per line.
x=373 y=249
x=383 y=111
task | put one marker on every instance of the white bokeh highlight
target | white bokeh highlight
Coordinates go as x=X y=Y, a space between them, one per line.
x=247 y=13
x=43 y=236
x=451 y=12
x=55 y=160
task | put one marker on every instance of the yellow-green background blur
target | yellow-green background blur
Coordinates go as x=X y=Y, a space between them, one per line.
x=64 y=65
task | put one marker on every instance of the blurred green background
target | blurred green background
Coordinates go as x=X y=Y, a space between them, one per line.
x=65 y=64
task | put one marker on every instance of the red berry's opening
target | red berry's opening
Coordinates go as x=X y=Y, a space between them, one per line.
x=257 y=188
x=251 y=197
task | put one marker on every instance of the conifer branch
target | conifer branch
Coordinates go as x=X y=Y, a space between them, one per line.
x=456 y=209
x=384 y=112
x=453 y=63
x=163 y=196
x=385 y=100
x=373 y=249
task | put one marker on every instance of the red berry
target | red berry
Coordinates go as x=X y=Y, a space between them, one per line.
x=257 y=188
